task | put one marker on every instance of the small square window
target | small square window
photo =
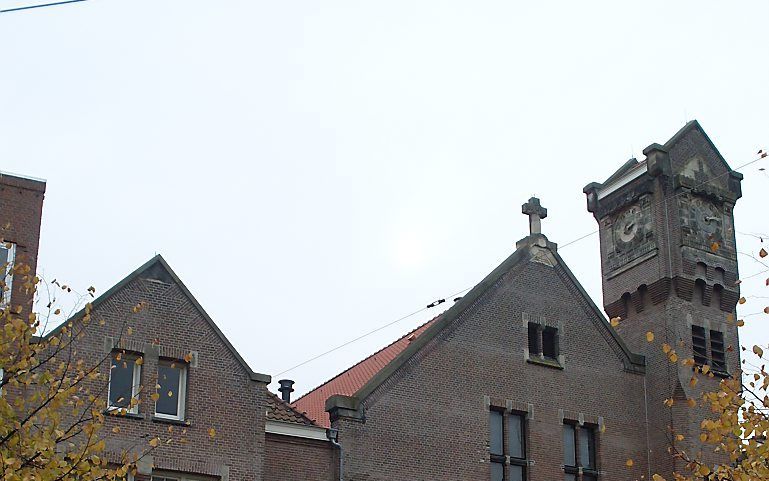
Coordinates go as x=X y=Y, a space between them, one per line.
x=172 y=379
x=124 y=382
x=534 y=346
x=550 y=343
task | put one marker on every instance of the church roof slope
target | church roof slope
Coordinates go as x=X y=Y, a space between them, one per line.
x=350 y=381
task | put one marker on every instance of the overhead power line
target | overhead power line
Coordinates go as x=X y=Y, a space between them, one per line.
x=29 y=7
x=761 y=155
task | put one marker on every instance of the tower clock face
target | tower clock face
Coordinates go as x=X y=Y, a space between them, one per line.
x=630 y=234
x=630 y=228
x=706 y=225
x=709 y=220
x=627 y=226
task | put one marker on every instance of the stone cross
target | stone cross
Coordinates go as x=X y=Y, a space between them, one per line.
x=536 y=213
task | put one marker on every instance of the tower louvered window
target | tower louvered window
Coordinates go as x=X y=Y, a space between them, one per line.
x=699 y=346
x=717 y=351
x=708 y=348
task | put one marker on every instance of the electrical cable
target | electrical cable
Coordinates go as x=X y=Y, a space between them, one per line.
x=40 y=6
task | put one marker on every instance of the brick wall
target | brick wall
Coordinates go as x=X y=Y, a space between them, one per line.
x=21 y=209
x=220 y=393
x=430 y=419
x=293 y=458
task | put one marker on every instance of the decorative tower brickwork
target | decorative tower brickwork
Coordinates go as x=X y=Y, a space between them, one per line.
x=669 y=266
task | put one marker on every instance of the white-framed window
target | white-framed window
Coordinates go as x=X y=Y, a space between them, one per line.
x=172 y=389
x=124 y=382
x=7 y=257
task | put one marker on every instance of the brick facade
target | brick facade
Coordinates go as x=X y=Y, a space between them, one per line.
x=430 y=418
x=289 y=457
x=222 y=393
x=21 y=210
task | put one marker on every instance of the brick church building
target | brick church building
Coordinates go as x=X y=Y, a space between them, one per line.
x=502 y=386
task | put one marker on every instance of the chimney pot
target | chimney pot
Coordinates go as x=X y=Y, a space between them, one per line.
x=286 y=388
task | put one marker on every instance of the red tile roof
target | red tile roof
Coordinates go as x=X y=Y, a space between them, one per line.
x=313 y=404
x=280 y=410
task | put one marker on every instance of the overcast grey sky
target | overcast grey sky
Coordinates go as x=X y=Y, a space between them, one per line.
x=313 y=170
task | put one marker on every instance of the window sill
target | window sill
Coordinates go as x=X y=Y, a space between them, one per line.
x=716 y=372
x=116 y=413
x=176 y=422
x=543 y=361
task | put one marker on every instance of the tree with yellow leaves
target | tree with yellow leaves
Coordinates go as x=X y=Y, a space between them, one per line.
x=738 y=425
x=53 y=402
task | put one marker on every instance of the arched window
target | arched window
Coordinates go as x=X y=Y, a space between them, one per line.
x=699 y=291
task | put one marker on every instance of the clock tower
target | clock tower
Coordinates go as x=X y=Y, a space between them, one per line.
x=669 y=266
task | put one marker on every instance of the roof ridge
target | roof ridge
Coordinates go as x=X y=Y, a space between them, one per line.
x=366 y=359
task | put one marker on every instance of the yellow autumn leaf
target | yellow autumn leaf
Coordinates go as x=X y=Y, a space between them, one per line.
x=211 y=432
x=668 y=402
x=673 y=357
x=679 y=437
x=742 y=300
x=649 y=336
x=154 y=442
x=629 y=463
x=139 y=361
x=130 y=330
x=705 y=369
x=703 y=470
x=155 y=396
x=740 y=323
x=691 y=403
x=693 y=381
x=657 y=477
x=188 y=357
x=615 y=321
x=116 y=430
x=666 y=348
